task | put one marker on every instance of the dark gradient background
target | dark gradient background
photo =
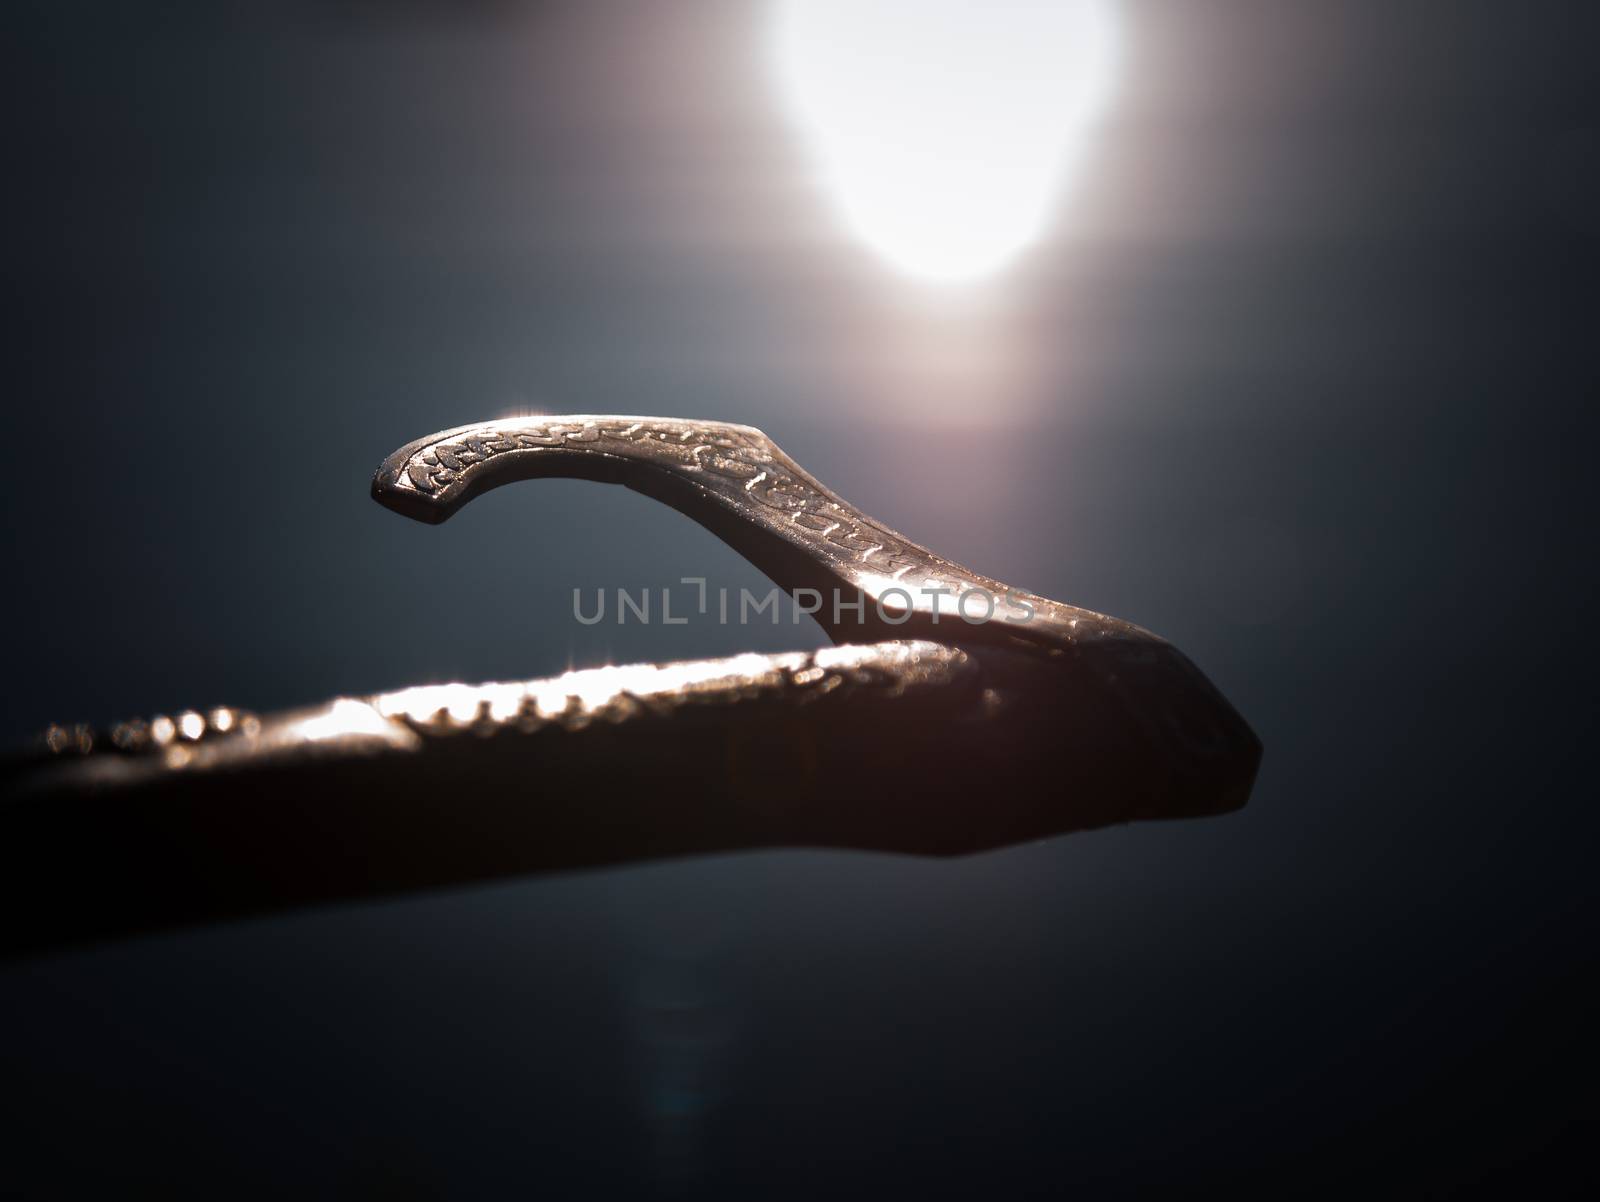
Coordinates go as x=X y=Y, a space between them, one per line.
x=1302 y=379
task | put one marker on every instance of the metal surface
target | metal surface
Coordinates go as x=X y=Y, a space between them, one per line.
x=734 y=481
x=927 y=732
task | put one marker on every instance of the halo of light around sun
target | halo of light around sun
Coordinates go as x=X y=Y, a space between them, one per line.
x=945 y=131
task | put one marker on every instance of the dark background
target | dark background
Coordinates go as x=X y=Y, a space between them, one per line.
x=1301 y=379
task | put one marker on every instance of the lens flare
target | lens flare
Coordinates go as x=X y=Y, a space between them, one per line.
x=944 y=129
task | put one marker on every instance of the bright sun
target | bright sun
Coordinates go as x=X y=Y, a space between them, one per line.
x=943 y=129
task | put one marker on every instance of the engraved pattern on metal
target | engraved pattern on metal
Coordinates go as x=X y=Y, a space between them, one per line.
x=737 y=482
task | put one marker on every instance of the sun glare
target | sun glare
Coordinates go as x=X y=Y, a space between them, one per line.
x=944 y=130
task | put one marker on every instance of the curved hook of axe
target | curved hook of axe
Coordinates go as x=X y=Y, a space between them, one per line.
x=943 y=738
x=737 y=483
